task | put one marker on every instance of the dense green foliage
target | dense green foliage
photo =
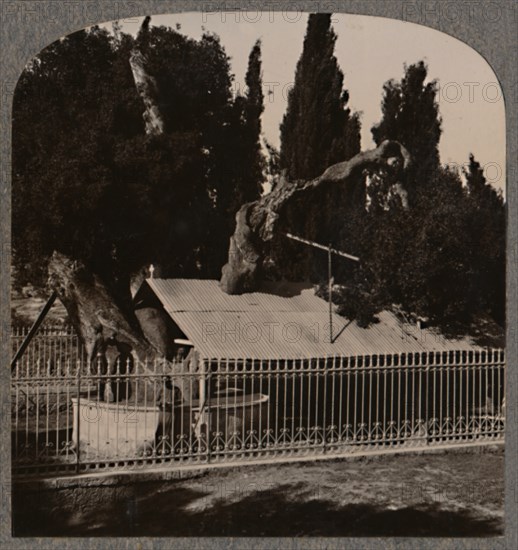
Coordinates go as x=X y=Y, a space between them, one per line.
x=443 y=258
x=318 y=129
x=89 y=182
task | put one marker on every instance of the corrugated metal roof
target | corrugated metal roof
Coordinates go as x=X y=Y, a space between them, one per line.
x=206 y=295
x=283 y=321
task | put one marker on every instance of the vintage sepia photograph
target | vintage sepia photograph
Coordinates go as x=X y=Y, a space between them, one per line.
x=258 y=281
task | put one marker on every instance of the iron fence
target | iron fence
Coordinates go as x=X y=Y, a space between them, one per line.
x=74 y=416
x=51 y=344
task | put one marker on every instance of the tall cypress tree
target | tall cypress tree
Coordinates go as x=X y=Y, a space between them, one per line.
x=318 y=129
x=487 y=232
x=251 y=186
x=411 y=116
x=236 y=175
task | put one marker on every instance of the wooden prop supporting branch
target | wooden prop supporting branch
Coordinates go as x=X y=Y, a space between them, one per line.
x=257 y=222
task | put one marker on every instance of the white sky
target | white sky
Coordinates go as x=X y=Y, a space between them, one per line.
x=370 y=51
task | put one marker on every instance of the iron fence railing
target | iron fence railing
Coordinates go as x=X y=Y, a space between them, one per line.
x=51 y=344
x=74 y=416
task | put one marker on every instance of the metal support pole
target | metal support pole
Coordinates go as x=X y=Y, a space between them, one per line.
x=34 y=329
x=329 y=274
x=201 y=422
x=322 y=247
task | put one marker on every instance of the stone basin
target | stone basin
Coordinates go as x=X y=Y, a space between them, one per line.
x=124 y=430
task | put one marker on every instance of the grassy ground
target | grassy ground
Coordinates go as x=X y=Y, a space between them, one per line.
x=26 y=308
x=420 y=495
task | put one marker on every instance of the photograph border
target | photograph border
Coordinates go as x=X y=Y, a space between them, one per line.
x=490 y=28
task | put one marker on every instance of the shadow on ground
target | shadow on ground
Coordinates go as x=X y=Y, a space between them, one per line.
x=180 y=511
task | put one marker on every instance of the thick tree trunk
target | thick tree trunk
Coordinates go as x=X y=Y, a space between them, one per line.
x=91 y=305
x=257 y=222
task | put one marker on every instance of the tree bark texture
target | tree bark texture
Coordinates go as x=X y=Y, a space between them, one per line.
x=91 y=305
x=147 y=89
x=258 y=222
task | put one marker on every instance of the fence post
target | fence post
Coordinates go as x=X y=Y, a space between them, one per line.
x=207 y=370
x=324 y=415
x=78 y=418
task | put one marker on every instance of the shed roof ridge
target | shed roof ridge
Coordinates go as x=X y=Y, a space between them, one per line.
x=224 y=311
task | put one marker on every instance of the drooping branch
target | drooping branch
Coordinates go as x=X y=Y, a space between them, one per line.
x=257 y=222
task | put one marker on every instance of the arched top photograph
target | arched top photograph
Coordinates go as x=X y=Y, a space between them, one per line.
x=256 y=241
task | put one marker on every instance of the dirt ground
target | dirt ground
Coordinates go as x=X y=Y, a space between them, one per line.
x=25 y=310
x=425 y=495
